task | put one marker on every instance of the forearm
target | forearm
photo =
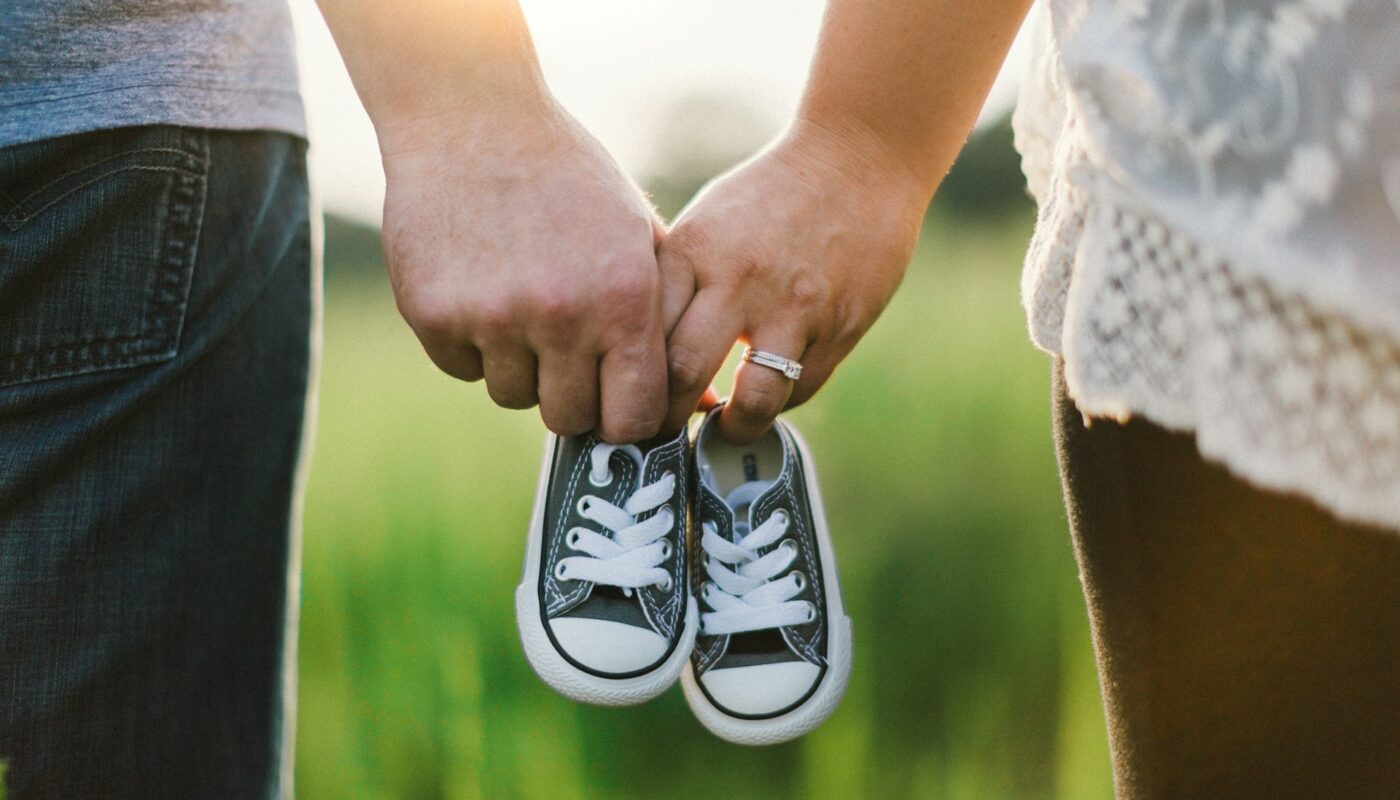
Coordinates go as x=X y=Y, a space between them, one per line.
x=902 y=81
x=419 y=62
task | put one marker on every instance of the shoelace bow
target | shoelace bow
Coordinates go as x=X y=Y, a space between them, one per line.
x=741 y=589
x=631 y=556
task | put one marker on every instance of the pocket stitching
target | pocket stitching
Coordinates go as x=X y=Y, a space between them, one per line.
x=169 y=291
x=17 y=216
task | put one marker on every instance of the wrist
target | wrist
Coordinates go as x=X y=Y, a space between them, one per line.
x=860 y=157
x=521 y=105
x=418 y=64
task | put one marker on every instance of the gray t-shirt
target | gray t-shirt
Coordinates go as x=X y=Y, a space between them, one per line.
x=69 y=66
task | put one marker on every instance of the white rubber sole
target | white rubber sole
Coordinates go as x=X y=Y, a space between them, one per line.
x=815 y=709
x=550 y=665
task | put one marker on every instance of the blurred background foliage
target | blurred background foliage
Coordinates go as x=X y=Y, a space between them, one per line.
x=973 y=673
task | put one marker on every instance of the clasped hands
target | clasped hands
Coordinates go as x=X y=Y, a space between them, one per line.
x=520 y=254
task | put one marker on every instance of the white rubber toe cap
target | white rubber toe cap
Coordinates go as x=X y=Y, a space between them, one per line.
x=608 y=647
x=761 y=688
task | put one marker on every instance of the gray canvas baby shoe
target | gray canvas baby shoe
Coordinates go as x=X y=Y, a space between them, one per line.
x=773 y=653
x=604 y=606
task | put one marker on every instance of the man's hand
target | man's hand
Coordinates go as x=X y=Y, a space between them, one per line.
x=796 y=252
x=519 y=253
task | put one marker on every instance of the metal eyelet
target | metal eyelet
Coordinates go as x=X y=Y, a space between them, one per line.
x=593 y=479
x=784 y=516
x=789 y=544
x=665 y=550
x=665 y=585
x=799 y=580
x=559 y=572
x=811 y=613
x=571 y=539
x=582 y=505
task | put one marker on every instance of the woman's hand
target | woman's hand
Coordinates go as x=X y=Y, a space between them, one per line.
x=796 y=253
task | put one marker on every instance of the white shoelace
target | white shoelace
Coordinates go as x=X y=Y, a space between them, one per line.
x=631 y=556
x=741 y=587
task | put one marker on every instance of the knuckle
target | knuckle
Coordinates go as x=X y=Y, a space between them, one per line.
x=626 y=306
x=809 y=290
x=844 y=320
x=490 y=317
x=558 y=310
x=743 y=271
x=686 y=371
x=627 y=291
x=558 y=303
x=847 y=337
x=683 y=241
x=433 y=314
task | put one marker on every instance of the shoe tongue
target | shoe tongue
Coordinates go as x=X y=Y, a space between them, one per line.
x=645 y=452
x=741 y=499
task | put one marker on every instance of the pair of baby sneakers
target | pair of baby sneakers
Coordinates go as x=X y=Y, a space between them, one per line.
x=704 y=561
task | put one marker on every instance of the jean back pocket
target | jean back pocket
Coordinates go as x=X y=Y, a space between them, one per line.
x=98 y=234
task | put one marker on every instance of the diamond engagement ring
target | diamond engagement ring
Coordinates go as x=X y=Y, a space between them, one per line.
x=787 y=366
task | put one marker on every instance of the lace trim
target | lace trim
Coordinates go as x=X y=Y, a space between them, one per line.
x=1286 y=395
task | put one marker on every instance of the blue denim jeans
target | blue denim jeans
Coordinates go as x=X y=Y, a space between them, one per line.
x=156 y=301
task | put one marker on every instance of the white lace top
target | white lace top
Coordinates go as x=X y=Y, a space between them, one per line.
x=1218 y=243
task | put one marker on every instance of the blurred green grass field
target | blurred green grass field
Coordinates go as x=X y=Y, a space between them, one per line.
x=973 y=673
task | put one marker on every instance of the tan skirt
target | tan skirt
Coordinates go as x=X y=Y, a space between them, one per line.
x=1248 y=643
